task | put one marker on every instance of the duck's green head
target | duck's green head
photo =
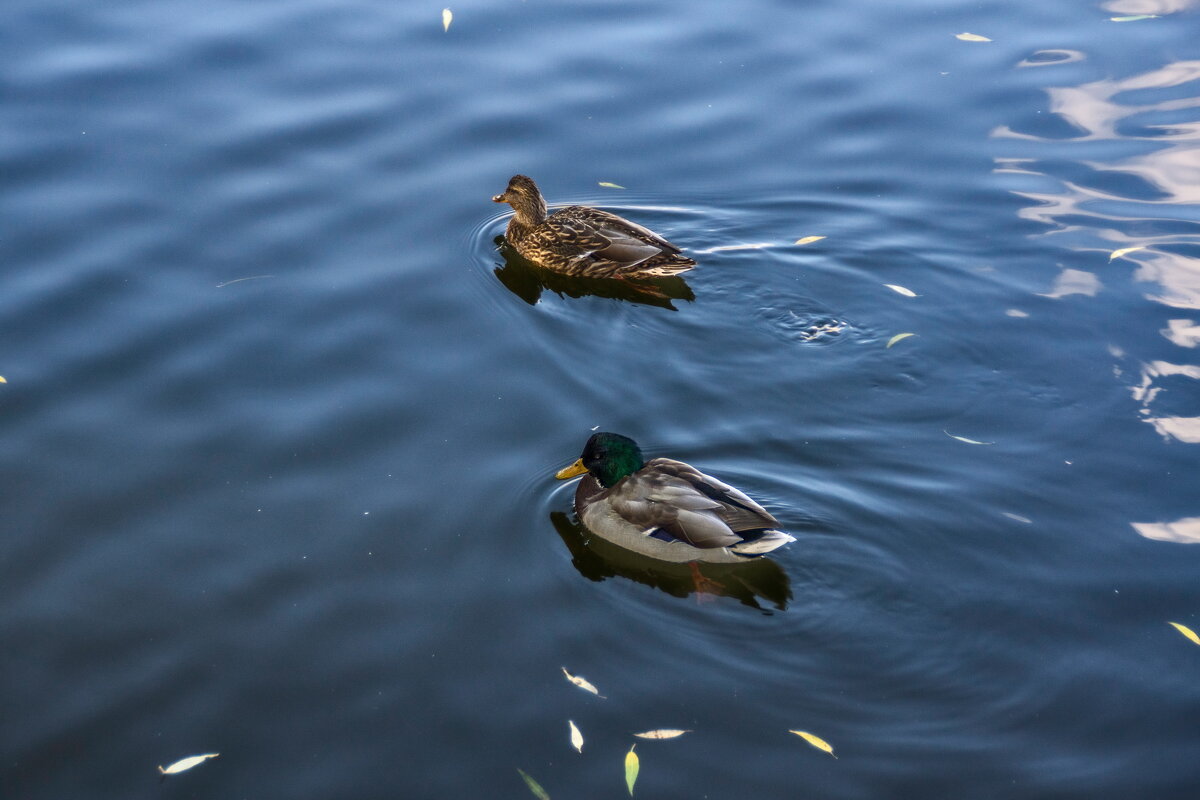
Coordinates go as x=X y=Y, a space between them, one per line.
x=523 y=195
x=608 y=457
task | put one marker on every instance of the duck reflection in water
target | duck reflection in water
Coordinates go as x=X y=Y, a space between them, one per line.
x=761 y=579
x=527 y=281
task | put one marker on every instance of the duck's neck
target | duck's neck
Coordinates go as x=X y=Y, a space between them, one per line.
x=529 y=211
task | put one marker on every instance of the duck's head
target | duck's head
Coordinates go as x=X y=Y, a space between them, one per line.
x=607 y=457
x=523 y=195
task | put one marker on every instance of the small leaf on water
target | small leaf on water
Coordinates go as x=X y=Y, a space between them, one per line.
x=1134 y=18
x=184 y=764
x=901 y=290
x=576 y=736
x=898 y=337
x=2 y=379
x=632 y=765
x=1017 y=517
x=1118 y=253
x=608 y=185
x=809 y=239
x=534 y=786
x=1186 y=631
x=661 y=733
x=964 y=439
x=447 y=18
x=971 y=37
x=815 y=741
x=582 y=683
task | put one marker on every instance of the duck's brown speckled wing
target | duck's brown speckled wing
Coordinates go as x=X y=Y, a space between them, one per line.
x=586 y=241
x=687 y=504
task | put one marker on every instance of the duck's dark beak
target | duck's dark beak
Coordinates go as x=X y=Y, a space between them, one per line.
x=498 y=199
x=570 y=472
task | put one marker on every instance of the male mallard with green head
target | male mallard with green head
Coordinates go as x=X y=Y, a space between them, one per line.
x=667 y=509
x=585 y=242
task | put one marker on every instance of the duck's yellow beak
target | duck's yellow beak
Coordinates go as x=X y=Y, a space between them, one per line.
x=570 y=472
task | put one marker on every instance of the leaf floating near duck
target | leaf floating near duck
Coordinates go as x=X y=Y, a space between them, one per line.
x=576 y=736
x=965 y=439
x=1186 y=631
x=184 y=764
x=534 y=786
x=901 y=290
x=898 y=337
x=1115 y=254
x=447 y=18
x=582 y=683
x=661 y=733
x=809 y=239
x=632 y=766
x=971 y=37
x=608 y=185
x=815 y=741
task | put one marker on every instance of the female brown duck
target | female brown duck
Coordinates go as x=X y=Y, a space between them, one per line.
x=585 y=242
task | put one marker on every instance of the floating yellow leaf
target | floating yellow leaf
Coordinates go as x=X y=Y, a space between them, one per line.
x=898 y=337
x=582 y=683
x=901 y=290
x=632 y=765
x=1118 y=253
x=576 y=736
x=815 y=741
x=608 y=185
x=184 y=764
x=661 y=733
x=447 y=18
x=534 y=786
x=964 y=439
x=971 y=37
x=1134 y=18
x=809 y=239
x=1186 y=631
x=2 y=379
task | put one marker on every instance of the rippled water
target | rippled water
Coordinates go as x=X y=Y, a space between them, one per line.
x=280 y=417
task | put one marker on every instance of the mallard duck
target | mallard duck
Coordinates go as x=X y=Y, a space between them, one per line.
x=667 y=509
x=583 y=241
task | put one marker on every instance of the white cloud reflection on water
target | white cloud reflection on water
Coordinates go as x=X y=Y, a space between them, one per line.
x=1145 y=194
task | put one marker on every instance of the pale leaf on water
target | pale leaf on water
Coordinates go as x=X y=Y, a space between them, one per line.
x=632 y=765
x=447 y=18
x=971 y=37
x=576 y=736
x=898 y=337
x=184 y=764
x=608 y=185
x=815 y=741
x=1186 y=631
x=809 y=239
x=1134 y=18
x=901 y=290
x=582 y=683
x=964 y=439
x=661 y=733
x=1123 y=251
x=1017 y=517
x=2 y=379
x=534 y=786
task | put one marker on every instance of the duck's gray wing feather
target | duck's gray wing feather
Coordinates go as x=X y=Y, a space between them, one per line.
x=615 y=227
x=650 y=500
x=733 y=506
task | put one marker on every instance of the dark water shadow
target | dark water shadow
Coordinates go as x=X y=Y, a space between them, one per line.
x=748 y=583
x=527 y=281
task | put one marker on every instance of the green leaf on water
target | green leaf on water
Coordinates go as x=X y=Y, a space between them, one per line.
x=608 y=185
x=1134 y=18
x=632 y=765
x=534 y=786
x=898 y=337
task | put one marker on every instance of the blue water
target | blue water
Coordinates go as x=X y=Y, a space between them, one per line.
x=280 y=420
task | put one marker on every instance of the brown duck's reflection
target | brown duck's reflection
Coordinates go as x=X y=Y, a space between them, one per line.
x=597 y=560
x=527 y=281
